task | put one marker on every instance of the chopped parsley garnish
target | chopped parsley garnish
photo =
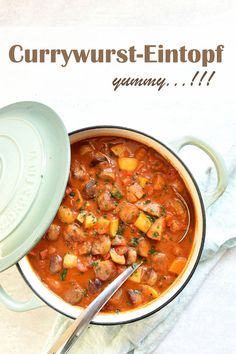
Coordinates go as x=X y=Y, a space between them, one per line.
x=152 y=251
x=163 y=210
x=155 y=234
x=147 y=202
x=63 y=274
x=121 y=228
x=94 y=264
x=151 y=218
x=72 y=194
x=134 y=241
x=85 y=292
x=116 y=194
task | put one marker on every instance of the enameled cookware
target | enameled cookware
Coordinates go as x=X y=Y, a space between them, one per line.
x=49 y=177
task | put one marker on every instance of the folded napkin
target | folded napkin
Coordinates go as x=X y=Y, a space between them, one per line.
x=144 y=336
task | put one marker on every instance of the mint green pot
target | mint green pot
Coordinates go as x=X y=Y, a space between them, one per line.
x=55 y=167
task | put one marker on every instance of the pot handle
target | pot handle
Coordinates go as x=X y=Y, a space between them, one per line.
x=19 y=306
x=218 y=161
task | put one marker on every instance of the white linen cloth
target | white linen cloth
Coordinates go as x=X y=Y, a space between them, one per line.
x=144 y=336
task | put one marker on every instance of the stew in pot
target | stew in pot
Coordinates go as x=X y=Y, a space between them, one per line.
x=124 y=203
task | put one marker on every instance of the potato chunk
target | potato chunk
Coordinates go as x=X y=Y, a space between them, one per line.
x=114 y=224
x=84 y=149
x=120 y=150
x=157 y=229
x=102 y=226
x=81 y=216
x=137 y=275
x=149 y=291
x=66 y=214
x=70 y=260
x=159 y=182
x=136 y=189
x=90 y=221
x=142 y=181
x=117 y=258
x=178 y=265
x=143 y=248
x=127 y=163
x=143 y=223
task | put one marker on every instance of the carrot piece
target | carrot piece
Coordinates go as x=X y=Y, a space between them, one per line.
x=178 y=265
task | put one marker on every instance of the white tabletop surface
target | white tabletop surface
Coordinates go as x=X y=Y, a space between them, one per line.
x=84 y=96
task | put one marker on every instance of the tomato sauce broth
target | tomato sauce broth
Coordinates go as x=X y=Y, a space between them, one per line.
x=124 y=203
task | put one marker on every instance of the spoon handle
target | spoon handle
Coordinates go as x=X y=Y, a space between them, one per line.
x=77 y=328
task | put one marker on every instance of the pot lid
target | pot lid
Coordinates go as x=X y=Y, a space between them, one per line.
x=34 y=170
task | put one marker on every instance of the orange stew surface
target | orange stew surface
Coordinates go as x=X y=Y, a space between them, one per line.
x=123 y=203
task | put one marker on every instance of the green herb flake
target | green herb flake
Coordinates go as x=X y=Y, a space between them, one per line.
x=63 y=274
x=117 y=194
x=121 y=228
x=152 y=251
x=72 y=194
x=134 y=241
x=155 y=234
x=85 y=292
x=147 y=202
x=151 y=218
x=163 y=210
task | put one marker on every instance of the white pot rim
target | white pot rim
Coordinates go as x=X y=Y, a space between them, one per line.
x=55 y=302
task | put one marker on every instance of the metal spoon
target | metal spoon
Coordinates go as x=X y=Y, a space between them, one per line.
x=77 y=328
x=188 y=214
